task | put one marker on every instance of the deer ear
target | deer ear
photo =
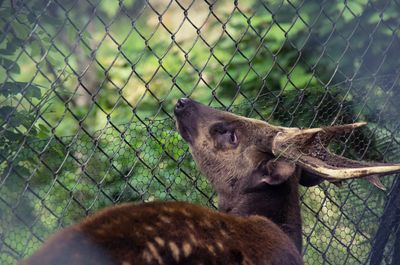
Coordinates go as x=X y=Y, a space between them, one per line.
x=278 y=171
x=271 y=172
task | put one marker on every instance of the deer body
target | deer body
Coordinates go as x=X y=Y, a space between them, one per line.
x=168 y=233
x=255 y=168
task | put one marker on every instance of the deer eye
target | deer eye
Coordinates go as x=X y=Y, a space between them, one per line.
x=233 y=138
x=227 y=138
x=224 y=136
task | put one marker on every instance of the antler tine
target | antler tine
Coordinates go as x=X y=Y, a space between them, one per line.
x=306 y=148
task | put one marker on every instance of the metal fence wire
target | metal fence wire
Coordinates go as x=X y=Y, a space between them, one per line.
x=87 y=90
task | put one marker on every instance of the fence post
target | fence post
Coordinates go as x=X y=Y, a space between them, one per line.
x=390 y=218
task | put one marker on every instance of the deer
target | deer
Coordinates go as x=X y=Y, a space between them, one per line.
x=255 y=168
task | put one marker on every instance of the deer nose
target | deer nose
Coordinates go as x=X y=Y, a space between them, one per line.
x=181 y=105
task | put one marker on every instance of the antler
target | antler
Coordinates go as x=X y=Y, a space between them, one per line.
x=306 y=147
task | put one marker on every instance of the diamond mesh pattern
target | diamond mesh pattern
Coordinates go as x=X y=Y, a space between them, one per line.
x=87 y=90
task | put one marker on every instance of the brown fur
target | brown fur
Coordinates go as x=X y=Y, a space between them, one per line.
x=238 y=173
x=167 y=233
x=256 y=167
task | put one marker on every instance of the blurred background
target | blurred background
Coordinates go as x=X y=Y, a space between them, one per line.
x=87 y=90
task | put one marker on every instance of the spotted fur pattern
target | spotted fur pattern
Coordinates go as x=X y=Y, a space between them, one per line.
x=167 y=233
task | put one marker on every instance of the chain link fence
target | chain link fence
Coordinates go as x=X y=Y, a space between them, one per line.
x=87 y=90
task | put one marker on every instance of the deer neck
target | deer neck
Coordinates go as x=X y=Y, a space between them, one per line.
x=278 y=203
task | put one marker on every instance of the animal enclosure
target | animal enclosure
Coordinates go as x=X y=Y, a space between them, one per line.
x=87 y=90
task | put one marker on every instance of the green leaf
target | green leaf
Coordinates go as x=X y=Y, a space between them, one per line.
x=10 y=48
x=10 y=65
x=14 y=88
x=21 y=30
x=44 y=132
x=16 y=118
x=25 y=118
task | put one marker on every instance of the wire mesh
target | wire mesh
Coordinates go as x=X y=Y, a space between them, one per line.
x=87 y=90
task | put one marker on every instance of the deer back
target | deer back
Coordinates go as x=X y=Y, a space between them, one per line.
x=167 y=233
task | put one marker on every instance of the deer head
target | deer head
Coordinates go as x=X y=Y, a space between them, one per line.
x=256 y=167
x=229 y=147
